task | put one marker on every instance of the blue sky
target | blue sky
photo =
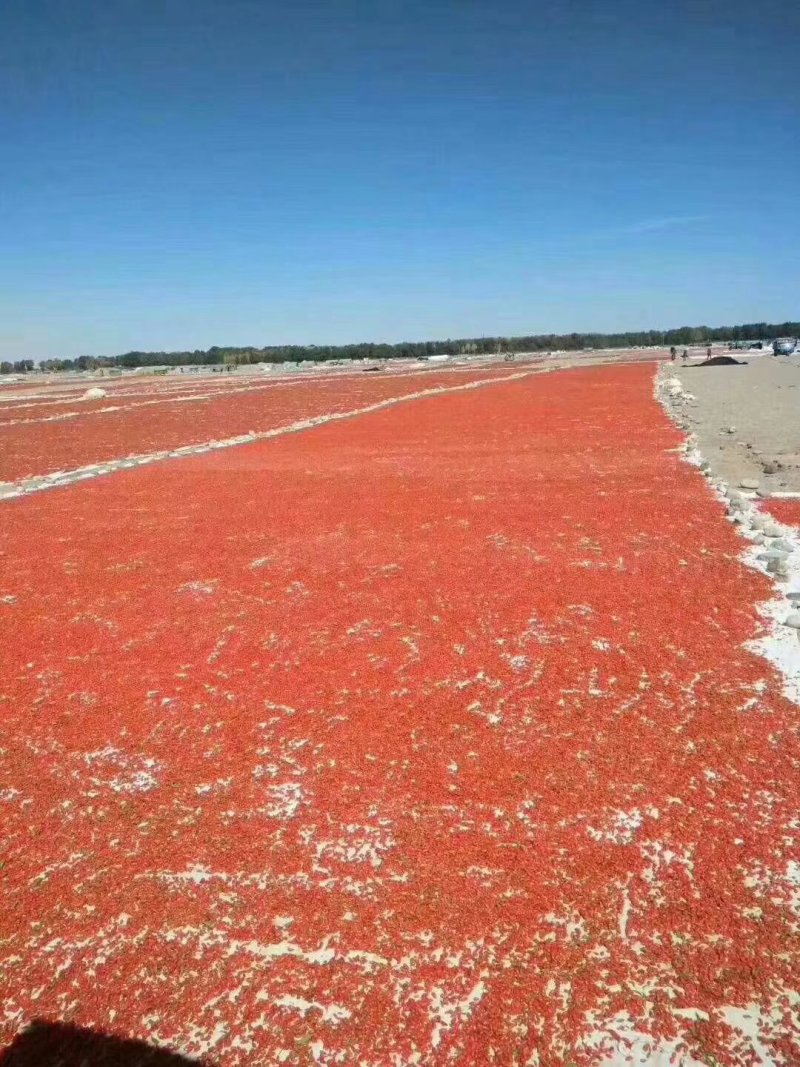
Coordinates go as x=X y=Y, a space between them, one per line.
x=183 y=173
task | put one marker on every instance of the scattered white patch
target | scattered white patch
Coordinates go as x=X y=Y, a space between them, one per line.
x=573 y=925
x=205 y=788
x=446 y=1013
x=331 y=1013
x=197 y=874
x=319 y=956
x=285 y=800
x=620 y=828
x=200 y=1041
x=122 y=772
x=362 y=844
x=616 y=1042
x=199 y=588
x=625 y=911
x=620 y=1044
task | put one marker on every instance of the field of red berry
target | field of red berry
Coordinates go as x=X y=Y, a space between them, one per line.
x=424 y=737
x=787 y=511
x=55 y=428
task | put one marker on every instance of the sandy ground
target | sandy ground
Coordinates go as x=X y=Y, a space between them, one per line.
x=760 y=402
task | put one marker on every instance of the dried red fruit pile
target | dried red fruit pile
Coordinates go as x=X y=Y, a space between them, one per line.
x=55 y=429
x=787 y=511
x=419 y=738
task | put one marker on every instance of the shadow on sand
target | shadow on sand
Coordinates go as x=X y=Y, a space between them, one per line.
x=47 y=1044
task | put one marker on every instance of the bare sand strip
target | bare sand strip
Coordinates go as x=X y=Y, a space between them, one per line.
x=747 y=420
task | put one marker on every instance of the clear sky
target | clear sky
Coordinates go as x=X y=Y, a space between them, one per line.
x=183 y=173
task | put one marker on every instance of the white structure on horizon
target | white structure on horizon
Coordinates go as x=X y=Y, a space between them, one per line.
x=784 y=346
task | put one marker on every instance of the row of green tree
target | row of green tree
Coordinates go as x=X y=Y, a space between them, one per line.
x=20 y=366
x=683 y=335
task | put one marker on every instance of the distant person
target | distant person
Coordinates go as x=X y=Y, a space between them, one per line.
x=673 y=352
x=685 y=355
x=708 y=352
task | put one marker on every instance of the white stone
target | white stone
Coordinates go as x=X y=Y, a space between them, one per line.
x=94 y=393
x=779 y=567
x=782 y=545
x=793 y=620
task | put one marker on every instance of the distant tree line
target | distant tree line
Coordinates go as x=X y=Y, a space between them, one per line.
x=20 y=366
x=547 y=342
